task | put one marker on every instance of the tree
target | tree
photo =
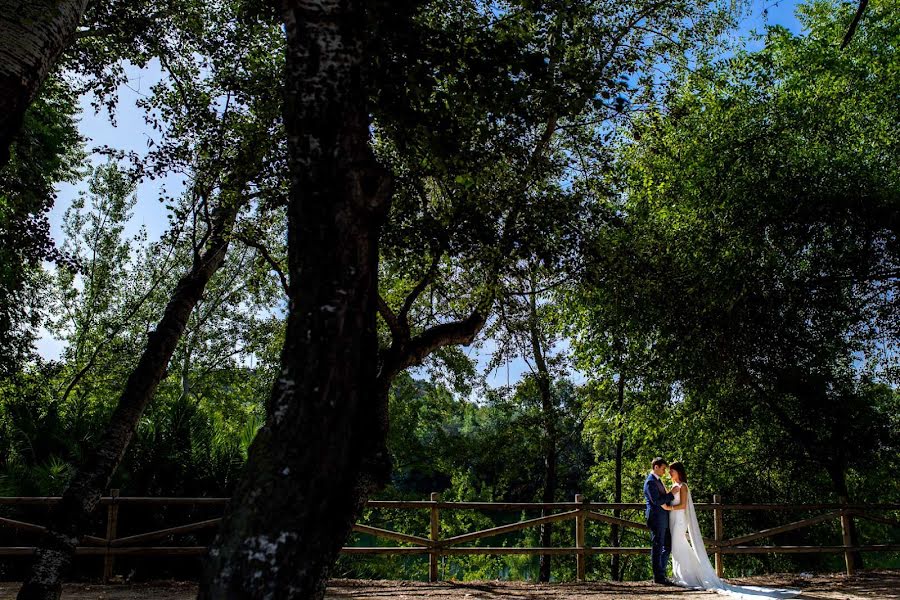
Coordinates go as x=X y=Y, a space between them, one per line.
x=230 y=148
x=191 y=437
x=296 y=502
x=482 y=117
x=57 y=548
x=89 y=38
x=445 y=174
x=524 y=329
x=759 y=207
x=50 y=53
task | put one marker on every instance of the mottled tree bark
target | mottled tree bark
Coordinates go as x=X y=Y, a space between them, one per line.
x=33 y=34
x=320 y=453
x=57 y=547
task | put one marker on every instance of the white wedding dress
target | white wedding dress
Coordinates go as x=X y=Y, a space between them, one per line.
x=690 y=563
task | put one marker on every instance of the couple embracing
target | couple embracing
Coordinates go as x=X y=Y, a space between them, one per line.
x=675 y=531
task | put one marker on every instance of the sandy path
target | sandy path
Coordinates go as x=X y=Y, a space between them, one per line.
x=868 y=586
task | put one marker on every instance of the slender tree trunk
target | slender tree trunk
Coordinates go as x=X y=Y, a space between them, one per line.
x=33 y=34
x=548 y=496
x=186 y=372
x=838 y=477
x=548 y=414
x=314 y=463
x=57 y=548
x=614 y=540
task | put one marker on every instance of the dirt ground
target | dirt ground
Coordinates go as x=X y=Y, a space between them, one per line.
x=870 y=585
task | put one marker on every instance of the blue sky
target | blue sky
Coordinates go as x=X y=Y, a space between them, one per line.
x=763 y=13
x=131 y=134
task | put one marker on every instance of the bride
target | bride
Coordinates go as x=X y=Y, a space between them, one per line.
x=690 y=563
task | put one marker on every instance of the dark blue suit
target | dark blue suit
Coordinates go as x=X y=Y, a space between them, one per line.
x=658 y=521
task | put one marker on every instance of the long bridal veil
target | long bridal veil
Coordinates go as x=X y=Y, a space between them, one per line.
x=707 y=574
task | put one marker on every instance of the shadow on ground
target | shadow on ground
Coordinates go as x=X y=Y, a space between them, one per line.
x=866 y=586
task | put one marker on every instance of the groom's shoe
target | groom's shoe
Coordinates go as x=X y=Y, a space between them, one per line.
x=664 y=582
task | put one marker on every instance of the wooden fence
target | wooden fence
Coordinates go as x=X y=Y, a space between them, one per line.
x=580 y=511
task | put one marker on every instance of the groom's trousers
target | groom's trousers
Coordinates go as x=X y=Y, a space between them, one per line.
x=661 y=544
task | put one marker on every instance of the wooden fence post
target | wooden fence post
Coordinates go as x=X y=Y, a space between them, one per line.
x=435 y=536
x=719 y=533
x=112 y=521
x=846 y=528
x=580 y=557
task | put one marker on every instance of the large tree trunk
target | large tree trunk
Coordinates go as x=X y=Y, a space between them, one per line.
x=309 y=469
x=32 y=36
x=57 y=548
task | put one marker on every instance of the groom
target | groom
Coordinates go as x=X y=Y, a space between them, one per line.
x=658 y=520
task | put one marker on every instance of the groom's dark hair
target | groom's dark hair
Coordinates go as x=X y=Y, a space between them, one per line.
x=659 y=460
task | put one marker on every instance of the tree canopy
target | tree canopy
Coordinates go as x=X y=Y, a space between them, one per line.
x=686 y=242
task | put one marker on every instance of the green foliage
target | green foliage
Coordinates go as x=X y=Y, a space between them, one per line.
x=480 y=111
x=47 y=151
x=467 y=451
x=744 y=281
x=34 y=436
x=194 y=438
x=723 y=272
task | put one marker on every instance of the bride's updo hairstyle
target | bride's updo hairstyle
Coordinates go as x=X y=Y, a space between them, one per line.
x=679 y=468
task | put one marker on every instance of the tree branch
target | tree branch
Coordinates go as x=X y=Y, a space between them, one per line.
x=887 y=275
x=433 y=338
x=397 y=331
x=126 y=319
x=549 y=287
x=855 y=23
x=536 y=154
x=98 y=32
x=267 y=256
x=417 y=291
x=807 y=439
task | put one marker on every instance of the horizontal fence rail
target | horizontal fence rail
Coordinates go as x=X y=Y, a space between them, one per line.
x=581 y=512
